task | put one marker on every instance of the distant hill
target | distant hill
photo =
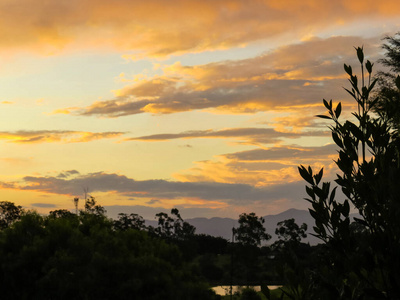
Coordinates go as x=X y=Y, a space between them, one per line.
x=222 y=227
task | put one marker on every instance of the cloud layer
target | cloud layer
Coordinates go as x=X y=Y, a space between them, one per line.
x=152 y=28
x=262 y=167
x=244 y=177
x=55 y=136
x=158 y=189
x=247 y=135
x=286 y=79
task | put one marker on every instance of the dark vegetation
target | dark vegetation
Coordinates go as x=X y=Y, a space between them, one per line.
x=361 y=259
x=85 y=255
x=88 y=256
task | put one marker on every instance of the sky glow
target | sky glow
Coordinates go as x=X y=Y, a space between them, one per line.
x=207 y=106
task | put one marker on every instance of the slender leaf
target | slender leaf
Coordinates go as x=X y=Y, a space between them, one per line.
x=324 y=117
x=368 y=66
x=338 y=110
x=397 y=81
x=318 y=176
x=326 y=104
x=332 y=196
x=360 y=54
x=337 y=139
x=348 y=69
x=354 y=81
x=372 y=84
x=306 y=175
x=346 y=209
x=350 y=92
x=310 y=192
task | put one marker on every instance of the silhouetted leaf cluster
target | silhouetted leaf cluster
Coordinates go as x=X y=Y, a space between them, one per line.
x=361 y=260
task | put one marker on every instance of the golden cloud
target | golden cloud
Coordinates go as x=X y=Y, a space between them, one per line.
x=261 y=167
x=152 y=28
x=217 y=193
x=254 y=135
x=236 y=173
x=54 y=136
x=295 y=75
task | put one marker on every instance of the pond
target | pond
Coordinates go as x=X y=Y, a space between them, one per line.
x=225 y=289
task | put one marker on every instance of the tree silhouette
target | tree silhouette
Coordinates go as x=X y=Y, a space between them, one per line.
x=387 y=96
x=131 y=221
x=9 y=213
x=69 y=256
x=251 y=230
x=359 y=266
x=289 y=233
x=173 y=227
x=249 y=235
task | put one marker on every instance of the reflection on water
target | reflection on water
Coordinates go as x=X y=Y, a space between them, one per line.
x=225 y=289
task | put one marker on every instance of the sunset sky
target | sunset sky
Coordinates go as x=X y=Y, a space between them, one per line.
x=204 y=105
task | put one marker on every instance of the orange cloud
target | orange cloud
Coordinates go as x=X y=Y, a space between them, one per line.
x=261 y=167
x=217 y=193
x=152 y=28
x=244 y=135
x=48 y=136
x=295 y=75
x=64 y=111
x=234 y=172
x=302 y=118
x=294 y=123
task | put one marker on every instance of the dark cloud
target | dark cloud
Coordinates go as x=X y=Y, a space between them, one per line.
x=152 y=29
x=158 y=189
x=116 y=108
x=43 y=205
x=278 y=153
x=153 y=201
x=253 y=135
x=55 y=136
x=66 y=174
x=186 y=146
x=244 y=98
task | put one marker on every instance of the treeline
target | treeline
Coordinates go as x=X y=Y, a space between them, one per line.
x=87 y=255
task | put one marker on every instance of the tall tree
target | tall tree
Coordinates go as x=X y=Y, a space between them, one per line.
x=292 y=258
x=57 y=257
x=131 y=221
x=251 y=230
x=289 y=233
x=92 y=207
x=9 y=213
x=359 y=266
x=173 y=227
x=250 y=234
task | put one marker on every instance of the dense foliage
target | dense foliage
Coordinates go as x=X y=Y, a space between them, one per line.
x=387 y=96
x=88 y=256
x=251 y=230
x=362 y=259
